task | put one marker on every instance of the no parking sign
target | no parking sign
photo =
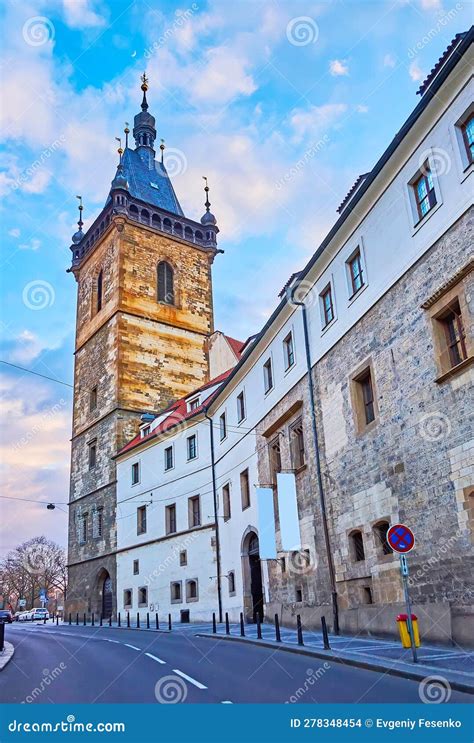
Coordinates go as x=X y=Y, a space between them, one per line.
x=401 y=538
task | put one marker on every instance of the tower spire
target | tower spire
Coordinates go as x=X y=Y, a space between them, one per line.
x=206 y=189
x=208 y=218
x=126 y=132
x=77 y=237
x=144 y=130
x=144 y=87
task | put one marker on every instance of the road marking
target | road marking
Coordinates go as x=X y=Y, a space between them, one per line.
x=190 y=679
x=227 y=702
x=131 y=646
x=117 y=642
x=153 y=657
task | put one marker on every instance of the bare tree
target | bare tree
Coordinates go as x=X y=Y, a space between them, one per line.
x=34 y=565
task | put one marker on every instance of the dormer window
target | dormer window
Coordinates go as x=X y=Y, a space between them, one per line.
x=194 y=403
x=145 y=431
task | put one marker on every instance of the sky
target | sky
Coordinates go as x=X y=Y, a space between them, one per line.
x=280 y=103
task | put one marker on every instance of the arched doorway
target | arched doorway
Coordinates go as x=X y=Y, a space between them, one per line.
x=252 y=572
x=107 y=597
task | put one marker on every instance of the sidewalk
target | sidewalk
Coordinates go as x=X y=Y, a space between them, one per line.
x=6 y=654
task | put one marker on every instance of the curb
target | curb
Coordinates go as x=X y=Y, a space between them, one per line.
x=396 y=670
x=6 y=655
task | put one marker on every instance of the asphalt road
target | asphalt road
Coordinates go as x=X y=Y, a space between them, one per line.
x=88 y=665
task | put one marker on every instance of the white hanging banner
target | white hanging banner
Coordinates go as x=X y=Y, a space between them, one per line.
x=266 y=524
x=288 y=512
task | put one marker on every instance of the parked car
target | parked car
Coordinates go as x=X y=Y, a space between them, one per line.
x=6 y=616
x=25 y=616
x=39 y=613
x=16 y=616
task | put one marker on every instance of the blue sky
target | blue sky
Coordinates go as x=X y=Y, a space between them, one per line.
x=281 y=104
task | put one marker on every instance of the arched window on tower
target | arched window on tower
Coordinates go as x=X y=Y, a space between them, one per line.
x=100 y=281
x=165 y=283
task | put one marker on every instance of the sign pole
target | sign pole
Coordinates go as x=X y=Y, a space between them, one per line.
x=404 y=572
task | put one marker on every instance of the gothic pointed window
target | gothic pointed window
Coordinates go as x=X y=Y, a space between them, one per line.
x=100 y=281
x=165 y=283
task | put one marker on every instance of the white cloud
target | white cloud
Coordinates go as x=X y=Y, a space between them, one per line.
x=362 y=108
x=415 y=71
x=431 y=4
x=338 y=67
x=15 y=232
x=34 y=244
x=315 y=120
x=389 y=60
x=79 y=14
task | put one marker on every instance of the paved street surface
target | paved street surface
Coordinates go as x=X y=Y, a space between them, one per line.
x=93 y=664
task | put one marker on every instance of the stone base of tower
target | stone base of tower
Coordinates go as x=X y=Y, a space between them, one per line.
x=92 y=587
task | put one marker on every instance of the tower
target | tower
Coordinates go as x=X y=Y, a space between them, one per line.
x=144 y=315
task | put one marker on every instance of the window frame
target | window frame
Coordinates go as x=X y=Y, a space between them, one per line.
x=141 y=520
x=226 y=502
x=359 y=402
x=454 y=298
x=130 y=592
x=241 y=407
x=165 y=450
x=161 y=298
x=192 y=513
x=289 y=356
x=188 y=450
x=231 y=583
x=83 y=528
x=244 y=478
x=356 y=255
x=180 y=599
x=418 y=218
x=135 y=472
x=189 y=582
x=92 y=454
x=142 y=604
x=98 y=523
x=136 y=567
x=268 y=375
x=274 y=452
x=382 y=546
x=327 y=291
x=223 y=426
x=357 y=546
x=183 y=558
x=464 y=155
x=93 y=399
x=297 y=428
x=171 y=519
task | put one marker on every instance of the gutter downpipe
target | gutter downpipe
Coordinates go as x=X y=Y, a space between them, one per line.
x=216 y=516
x=332 y=575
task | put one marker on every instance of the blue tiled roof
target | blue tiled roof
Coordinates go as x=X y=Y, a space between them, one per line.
x=150 y=185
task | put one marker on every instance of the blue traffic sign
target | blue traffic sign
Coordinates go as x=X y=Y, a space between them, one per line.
x=401 y=538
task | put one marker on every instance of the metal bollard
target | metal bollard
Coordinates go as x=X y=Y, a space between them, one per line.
x=325 y=633
x=84 y=619
x=227 y=628
x=277 y=629
x=2 y=636
x=44 y=620
x=214 y=626
x=70 y=618
x=110 y=620
x=169 y=622
x=57 y=620
x=147 y=620
x=242 y=625
x=119 y=621
x=93 y=622
x=100 y=621
x=138 y=620
x=157 y=623
x=128 y=619
x=299 y=630
x=77 y=618
x=259 y=626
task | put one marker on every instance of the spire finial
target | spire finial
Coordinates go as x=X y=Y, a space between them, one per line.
x=144 y=87
x=119 y=149
x=126 y=132
x=206 y=189
x=80 y=207
x=162 y=148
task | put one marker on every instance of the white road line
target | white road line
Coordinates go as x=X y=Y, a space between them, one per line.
x=227 y=702
x=188 y=678
x=117 y=642
x=131 y=646
x=153 y=657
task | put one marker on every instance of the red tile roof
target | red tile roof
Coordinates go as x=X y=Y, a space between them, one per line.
x=235 y=345
x=178 y=414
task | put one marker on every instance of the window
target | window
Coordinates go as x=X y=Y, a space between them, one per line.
x=297 y=445
x=141 y=520
x=364 y=399
x=93 y=399
x=135 y=473
x=170 y=519
x=192 y=447
x=183 y=558
x=275 y=458
x=194 y=511
x=380 y=534
x=231 y=578
x=298 y=595
x=226 y=502
x=127 y=598
x=424 y=190
x=283 y=564
x=240 y=407
x=176 y=592
x=83 y=528
x=288 y=350
x=191 y=590
x=165 y=283
x=367 y=595
x=327 y=306
x=145 y=431
x=194 y=404
x=97 y=523
x=268 y=375
x=100 y=281
x=92 y=454
x=357 y=546
x=169 y=458
x=454 y=335
x=143 y=596
x=467 y=130
x=245 y=489
x=136 y=567
x=356 y=274
x=223 y=426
